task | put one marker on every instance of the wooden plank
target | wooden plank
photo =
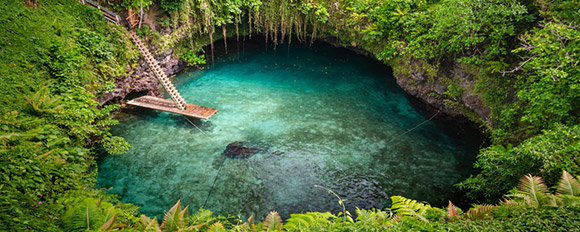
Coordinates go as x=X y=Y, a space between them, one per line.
x=168 y=106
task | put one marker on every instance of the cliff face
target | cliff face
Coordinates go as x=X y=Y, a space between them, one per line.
x=449 y=88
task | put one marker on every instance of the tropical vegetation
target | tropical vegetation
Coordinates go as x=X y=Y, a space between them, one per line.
x=531 y=206
x=59 y=56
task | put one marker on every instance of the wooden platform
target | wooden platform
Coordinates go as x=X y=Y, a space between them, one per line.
x=168 y=105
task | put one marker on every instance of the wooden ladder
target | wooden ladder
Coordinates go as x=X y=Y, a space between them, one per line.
x=175 y=96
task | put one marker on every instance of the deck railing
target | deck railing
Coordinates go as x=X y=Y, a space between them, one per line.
x=109 y=15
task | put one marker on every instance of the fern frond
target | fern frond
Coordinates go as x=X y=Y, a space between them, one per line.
x=217 y=227
x=396 y=218
x=509 y=202
x=553 y=200
x=202 y=216
x=451 y=211
x=568 y=185
x=173 y=219
x=408 y=207
x=480 y=212
x=109 y=224
x=535 y=188
x=521 y=197
x=273 y=221
x=371 y=215
x=151 y=225
x=570 y=201
x=184 y=213
x=86 y=215
x=41 y=102
x=309 y=221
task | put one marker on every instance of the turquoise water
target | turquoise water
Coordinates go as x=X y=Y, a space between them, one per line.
x=322 y=115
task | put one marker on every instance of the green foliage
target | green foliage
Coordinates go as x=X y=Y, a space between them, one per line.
x=454 y=90
x=533 y=191
x=546 y=155
x=95 y=45
x=164 y=22
x=93 y=210
x=409 y=208
x=115 y=145
x=149 y=225
x=41 y=103
x=53 y=58
x=90 y=214
x=373 y=220
x=193 y=59
x=137 y=4
x=174 y=219
x=531 y=200
x=311 y=221
x=522 y=213
x=548 y=85
x=172 y=6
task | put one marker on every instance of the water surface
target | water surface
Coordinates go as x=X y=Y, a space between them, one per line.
x=322 y=115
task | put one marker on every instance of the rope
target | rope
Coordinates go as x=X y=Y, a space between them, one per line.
x=214 y=181
x=194 y=125
x=418 y=125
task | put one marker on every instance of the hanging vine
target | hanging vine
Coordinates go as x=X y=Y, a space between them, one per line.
x=275 y=19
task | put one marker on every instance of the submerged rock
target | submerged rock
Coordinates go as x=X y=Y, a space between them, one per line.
x=240 y=150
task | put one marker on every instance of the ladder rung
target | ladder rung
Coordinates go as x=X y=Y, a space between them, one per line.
x=159 y=73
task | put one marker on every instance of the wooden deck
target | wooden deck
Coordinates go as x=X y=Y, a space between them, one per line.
x=169 y=106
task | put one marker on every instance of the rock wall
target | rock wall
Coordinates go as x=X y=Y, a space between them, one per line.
x=142 y=80
x=432 y=85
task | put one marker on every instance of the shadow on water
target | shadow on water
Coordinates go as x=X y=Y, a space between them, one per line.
x=320 y=115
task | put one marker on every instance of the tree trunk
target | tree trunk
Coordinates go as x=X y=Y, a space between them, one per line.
x=141 y=14
x=224 y=32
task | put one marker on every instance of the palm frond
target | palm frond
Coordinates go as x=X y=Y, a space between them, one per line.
x=408 y=207
x=568 y=185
